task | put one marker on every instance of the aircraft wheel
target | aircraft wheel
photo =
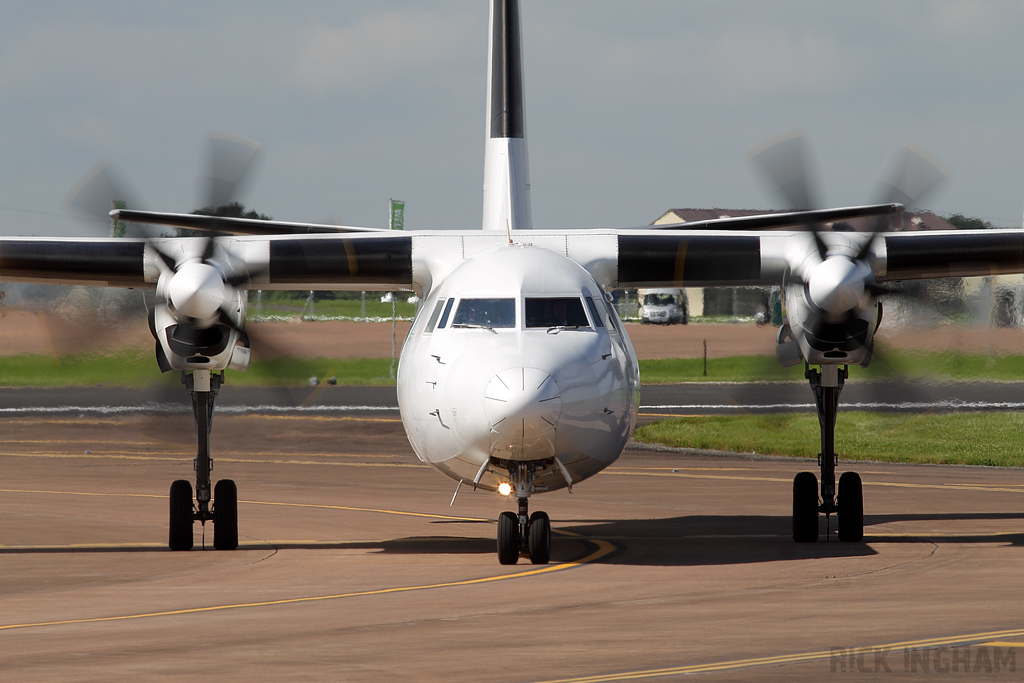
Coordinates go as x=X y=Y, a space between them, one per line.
x=805 y=508
x=508 y=538
x=225 y=515
x=180 y=537
x=851 y=507
x=540 y=538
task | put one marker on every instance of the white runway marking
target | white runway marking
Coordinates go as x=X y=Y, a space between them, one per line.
x=952 y=404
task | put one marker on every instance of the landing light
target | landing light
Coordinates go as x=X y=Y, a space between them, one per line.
x=504 y=488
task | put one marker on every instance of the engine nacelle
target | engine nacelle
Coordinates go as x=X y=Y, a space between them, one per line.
x=823 y=339
x=181 y=345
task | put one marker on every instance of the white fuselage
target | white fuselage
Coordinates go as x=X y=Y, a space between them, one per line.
x=475 y=392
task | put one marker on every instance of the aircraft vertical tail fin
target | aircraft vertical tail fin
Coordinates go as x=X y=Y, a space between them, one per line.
x=506 y=167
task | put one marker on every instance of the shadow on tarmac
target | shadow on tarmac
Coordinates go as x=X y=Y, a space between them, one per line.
x=676 y=541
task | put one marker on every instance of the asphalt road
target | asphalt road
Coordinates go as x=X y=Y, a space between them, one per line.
x=703 y=398
x=353 y=567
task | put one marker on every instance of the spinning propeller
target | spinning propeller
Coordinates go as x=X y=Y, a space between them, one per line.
x=832 y=294
x=198 y=317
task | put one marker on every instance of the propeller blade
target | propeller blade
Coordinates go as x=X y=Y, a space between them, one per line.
x=911 y=175
x=230 y=161
x=168 y=260
x=209 y=247
x=784 y=162
x=94 y=321
x=245 y=277
x=97 y=193
x=883 y=290
x=225 y=319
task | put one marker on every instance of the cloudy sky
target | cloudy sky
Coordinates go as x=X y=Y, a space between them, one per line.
x=633 y=107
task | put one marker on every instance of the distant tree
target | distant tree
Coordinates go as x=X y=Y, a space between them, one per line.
x=962 y=222
x=232 y=210
x=118 y=228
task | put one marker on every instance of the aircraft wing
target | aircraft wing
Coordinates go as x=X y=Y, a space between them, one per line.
x=696 y=259
x=337 y=262
x=781 y=221
x=97 y=262
x=233 y=226
x=616 y=258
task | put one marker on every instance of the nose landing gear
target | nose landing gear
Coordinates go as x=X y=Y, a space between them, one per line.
x=848 y=502
x=523 y=532
x=203 y=386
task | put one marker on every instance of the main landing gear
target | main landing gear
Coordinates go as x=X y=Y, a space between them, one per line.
x=523 y=532
x=203 y=386
x=848 y=501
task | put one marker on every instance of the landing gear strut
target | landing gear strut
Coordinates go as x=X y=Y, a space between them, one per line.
x=523 y=532
x=849 y=503
x=202 y=386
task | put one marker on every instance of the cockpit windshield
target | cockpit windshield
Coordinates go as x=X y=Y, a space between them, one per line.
x=485 y=313
x=555 y=312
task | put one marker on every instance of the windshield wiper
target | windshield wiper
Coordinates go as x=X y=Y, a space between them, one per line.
x=555 y=329
x=471 y=326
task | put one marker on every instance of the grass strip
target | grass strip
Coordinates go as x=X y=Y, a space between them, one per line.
x=888 y=363
x=138 y=368
x=975 y=438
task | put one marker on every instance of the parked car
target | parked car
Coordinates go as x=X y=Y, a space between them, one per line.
x=663 y=306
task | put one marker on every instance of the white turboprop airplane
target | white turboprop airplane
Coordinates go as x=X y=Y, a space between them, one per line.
x=517 y=376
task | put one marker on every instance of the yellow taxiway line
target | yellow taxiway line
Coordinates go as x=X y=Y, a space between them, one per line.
x=661 y=472
x=603 y=549
x=221 y=458
x=255 y=502
x=991 y=638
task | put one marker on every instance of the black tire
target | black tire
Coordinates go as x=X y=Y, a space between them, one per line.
x=180 y=536
x=540 y=538
x=225 y=515
x=805 y=508
x=851 y=508
x=508 y=538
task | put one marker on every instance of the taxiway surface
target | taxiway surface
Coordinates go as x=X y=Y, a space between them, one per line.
x=352 y=565
x=694 y=398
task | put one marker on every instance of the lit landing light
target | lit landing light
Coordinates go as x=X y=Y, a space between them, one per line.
x=504 y=488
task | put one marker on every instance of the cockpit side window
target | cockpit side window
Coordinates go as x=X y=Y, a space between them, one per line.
x=444 y=316
x=593 y=312
x=432 y=320
x=487 y=313
x=611 y=315
x=555 y=312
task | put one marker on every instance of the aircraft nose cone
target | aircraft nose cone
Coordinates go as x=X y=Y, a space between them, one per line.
x=522 y=402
